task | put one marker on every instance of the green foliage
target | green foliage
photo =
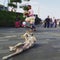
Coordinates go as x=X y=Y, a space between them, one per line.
x=13 y=5
x=25 y=7
x=10 y=4
x=9 y=18
x=16 y=1
x=26 y=0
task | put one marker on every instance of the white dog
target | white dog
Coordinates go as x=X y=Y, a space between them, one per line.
x=29 y=42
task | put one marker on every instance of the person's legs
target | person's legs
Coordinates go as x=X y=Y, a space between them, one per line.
x=48 y=25
x=19 y=50
x=45 y=25
x=33 y=28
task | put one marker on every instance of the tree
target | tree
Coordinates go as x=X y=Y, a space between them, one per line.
x=26 y=0
x=16 y=1
x=14 y=5
x=2 y=7
x=25 y=7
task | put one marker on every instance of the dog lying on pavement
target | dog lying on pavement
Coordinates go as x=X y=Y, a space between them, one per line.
x=30 y=40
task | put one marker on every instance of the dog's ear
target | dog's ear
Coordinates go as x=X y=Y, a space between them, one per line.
x=26 y=35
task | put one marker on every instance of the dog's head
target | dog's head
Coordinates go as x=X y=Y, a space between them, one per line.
x=27 y=34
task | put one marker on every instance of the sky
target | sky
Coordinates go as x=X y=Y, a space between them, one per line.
x=43 y=7
x=48 y=7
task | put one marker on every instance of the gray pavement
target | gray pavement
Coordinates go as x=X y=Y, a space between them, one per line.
x=47 y=46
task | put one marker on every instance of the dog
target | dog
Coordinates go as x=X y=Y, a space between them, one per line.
x=29 y=38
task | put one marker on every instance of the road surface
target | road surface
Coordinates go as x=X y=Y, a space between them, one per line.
x=47 y=46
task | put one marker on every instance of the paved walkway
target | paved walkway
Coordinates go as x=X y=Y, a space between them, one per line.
x=47 y=46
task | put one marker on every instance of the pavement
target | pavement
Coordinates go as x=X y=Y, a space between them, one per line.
x=47 y=46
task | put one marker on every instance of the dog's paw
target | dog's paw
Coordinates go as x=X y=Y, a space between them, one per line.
x=10 y=48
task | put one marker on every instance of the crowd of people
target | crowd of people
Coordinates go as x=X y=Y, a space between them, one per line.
x=32 y=20
x=50 y=22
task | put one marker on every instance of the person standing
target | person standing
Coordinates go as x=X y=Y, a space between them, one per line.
x=37 y=20
x=55 y=23
x=47 y=21
x=53 y=19
x=51 y=23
